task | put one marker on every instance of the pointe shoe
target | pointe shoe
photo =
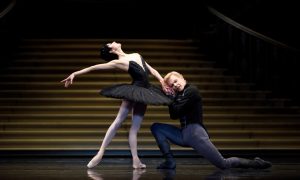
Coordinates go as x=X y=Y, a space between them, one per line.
x=93 y=162
x=139 y=166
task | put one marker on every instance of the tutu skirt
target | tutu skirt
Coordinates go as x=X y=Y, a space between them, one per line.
x=151 y=95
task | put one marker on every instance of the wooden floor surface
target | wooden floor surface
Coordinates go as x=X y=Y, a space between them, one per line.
x=38 y=168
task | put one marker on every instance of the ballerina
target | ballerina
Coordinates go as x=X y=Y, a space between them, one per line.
x=135 y=96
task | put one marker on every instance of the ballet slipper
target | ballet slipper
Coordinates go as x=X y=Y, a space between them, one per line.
x=94 y=162
x=139 y=165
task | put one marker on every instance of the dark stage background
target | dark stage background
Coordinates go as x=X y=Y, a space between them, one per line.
x=26 y=29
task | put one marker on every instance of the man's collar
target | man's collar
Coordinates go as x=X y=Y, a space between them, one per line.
x=182 y=92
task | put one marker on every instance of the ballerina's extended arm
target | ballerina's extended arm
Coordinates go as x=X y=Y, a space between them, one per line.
x=115 y=64
x=168 y=90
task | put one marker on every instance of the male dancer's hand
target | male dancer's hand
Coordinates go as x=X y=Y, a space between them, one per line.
x=168 y=90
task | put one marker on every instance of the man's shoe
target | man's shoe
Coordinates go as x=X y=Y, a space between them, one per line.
x=168 y=164
x=261 y=164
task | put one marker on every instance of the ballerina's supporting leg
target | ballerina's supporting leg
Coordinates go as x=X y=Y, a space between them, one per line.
x=138 y=112
x=125 y=107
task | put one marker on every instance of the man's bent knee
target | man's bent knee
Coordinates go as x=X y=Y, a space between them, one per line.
x=155 y=127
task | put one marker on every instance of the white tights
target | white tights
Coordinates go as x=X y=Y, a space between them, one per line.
x=138 y=111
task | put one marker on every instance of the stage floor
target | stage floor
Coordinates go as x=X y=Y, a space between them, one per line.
x=39 y=168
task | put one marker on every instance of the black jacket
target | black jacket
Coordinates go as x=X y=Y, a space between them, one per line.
x=187 y=106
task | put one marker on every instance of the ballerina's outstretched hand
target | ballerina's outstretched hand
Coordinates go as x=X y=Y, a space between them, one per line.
x=69 y=80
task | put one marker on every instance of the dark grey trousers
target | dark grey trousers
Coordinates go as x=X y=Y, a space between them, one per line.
x=195 y=136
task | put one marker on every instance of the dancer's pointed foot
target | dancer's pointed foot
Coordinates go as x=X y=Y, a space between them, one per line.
x=96 y=159
x=137 y=164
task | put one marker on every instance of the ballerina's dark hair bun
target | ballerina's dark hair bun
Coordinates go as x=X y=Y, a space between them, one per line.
x=106 y=55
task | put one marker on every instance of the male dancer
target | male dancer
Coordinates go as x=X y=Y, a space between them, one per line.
x=187 y=107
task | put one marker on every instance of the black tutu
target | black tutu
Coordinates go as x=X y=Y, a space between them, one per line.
x=140 y=90
x=152 y=95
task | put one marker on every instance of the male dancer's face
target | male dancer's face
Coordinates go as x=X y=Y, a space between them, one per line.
x=176 y=83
